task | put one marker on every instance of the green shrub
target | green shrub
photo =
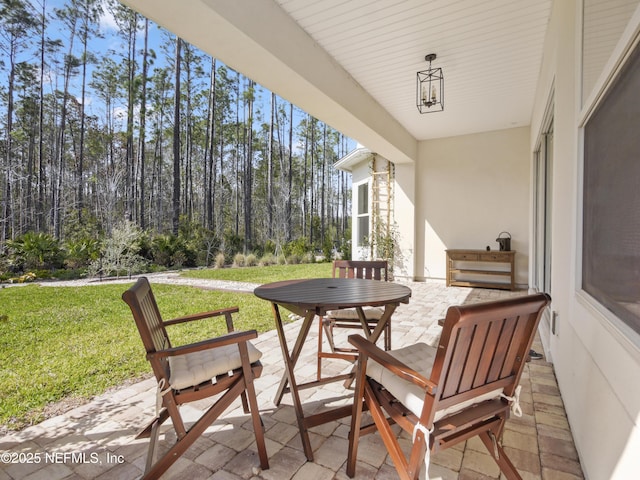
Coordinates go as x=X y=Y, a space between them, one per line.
x=169 y=250
x=43 y=273
x=268 y=259
x=162 y=249
x=269 y=247
x=299 y=247
x=179 y=259
x=250 y=260
x=120 y=252
x=238 y=260
x=67 y=274
x=327 y=250
x=232 y=244
x=33 y=251
x=293 y=259
x=81 y=252
x=344 y=245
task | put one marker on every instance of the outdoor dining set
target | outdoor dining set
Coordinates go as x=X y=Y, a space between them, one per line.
x=465 y=386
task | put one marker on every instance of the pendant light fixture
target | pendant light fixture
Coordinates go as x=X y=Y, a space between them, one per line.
x=430 y=88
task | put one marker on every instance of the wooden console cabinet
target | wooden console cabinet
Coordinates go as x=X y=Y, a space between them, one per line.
x=481 y=268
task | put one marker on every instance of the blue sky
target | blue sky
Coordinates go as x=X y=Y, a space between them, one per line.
x=114 y=43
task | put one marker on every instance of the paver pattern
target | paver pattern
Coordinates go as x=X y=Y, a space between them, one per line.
x=97 y=440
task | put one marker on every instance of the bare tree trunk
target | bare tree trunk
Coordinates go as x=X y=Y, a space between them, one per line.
x=57 y=203
x=305 y=186
x=290 y=177
x=237 y=160
x=143 y=126
x=41 y=180
x=176 y=142
x=248 y=173
x=270 y=169
x=131 y=183
x=312 y=205
x=210 y=164
x=7 y=214
x=80 y=164
x=322 y=185
x=219 y=221
x=188 y=188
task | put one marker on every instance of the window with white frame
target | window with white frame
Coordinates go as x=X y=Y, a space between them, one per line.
x=363 y=214
x=611 y=197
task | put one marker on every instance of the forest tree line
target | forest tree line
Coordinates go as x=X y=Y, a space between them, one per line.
x=132 y=123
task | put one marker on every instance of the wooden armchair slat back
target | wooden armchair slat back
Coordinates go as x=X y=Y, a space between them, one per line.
x=483 y=347
x=148 y=319
x=367 y=269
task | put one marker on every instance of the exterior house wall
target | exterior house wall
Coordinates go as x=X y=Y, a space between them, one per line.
x=469 y=189
x=359 y=174
x=402 y=213
x=596 y=365
x=464 y=190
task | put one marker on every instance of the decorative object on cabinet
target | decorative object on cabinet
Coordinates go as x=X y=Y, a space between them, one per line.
x=504 y=242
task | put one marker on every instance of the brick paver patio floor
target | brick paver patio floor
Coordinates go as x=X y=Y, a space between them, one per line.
x=96 y=440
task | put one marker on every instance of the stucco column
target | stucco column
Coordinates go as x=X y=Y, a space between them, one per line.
x=405 y=220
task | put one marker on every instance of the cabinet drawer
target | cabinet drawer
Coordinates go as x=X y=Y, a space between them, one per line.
x=463 y=256
x=493 y=257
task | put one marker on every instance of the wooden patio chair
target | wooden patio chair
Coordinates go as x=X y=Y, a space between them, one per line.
x=224 y=366
x=467 y=386
x=348 y=318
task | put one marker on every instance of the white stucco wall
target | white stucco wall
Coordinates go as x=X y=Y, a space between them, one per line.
x=469 y=189
x=597 y=365
x=404 y=211
x=403 y=215
x=360 y=174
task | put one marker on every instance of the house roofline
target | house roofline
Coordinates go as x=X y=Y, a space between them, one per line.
x=354 y=157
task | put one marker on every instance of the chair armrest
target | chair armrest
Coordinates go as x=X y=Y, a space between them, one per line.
x=392 y=364
x=212 y=313
x=228 y=339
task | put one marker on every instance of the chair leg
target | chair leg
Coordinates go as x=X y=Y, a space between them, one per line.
x=387 y=336
x=258 y=426
x=326 y=325
x=328 y=330
x=245 y=405
x=388 y=436
x=153 y=439
x=195 y=431
x=174 y=413
x=319 y=370
x=499 y=456
x=249 y=394
x=356 y=422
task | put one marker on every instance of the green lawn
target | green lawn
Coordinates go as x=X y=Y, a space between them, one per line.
x=61 y=343
x=264 y=274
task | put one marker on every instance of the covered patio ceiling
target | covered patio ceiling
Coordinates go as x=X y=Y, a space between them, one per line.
x=353 y=63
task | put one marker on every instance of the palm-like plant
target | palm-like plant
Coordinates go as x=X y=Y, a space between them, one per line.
x=35 y=251
x=80 y=253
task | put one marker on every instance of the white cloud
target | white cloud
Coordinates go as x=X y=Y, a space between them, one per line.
x=107 y=22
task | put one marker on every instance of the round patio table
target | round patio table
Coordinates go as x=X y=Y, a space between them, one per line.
x=317 y=296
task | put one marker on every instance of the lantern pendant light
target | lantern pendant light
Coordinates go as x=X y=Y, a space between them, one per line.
x=430 y=88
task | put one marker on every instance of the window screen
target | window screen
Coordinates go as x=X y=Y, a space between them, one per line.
x=363 y=199
x=611 y=218
x=363 y=214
